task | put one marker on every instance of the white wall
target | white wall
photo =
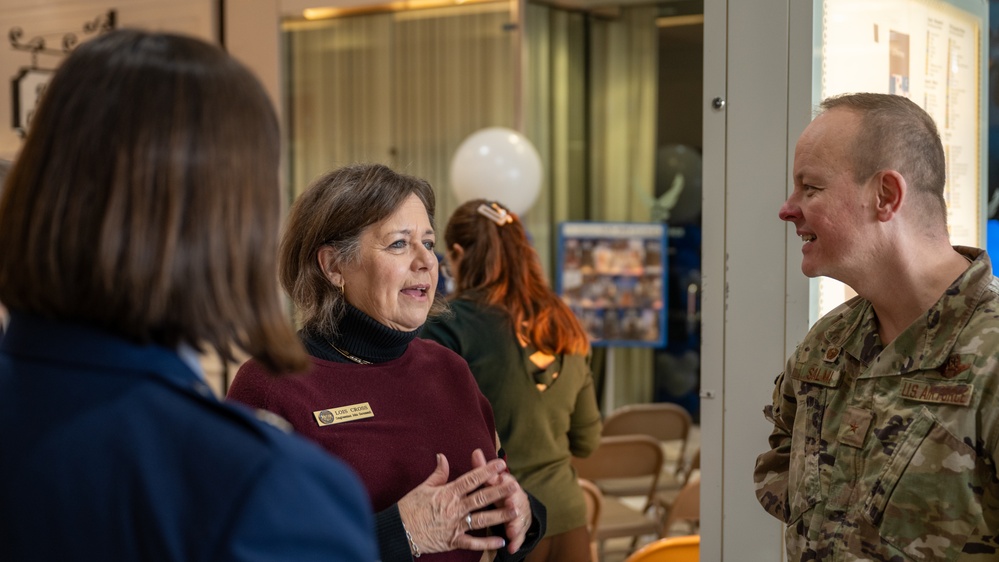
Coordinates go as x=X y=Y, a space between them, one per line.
x=252 y=34
x=757 y=59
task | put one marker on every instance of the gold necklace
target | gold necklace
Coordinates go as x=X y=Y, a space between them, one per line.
x=353 y=358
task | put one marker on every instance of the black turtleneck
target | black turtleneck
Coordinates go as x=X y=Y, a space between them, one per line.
x=364 y=337
x=361 y=336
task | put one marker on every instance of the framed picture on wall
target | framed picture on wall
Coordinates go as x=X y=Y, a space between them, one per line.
x=39 y=35
x=26 y=89
x=613 y=277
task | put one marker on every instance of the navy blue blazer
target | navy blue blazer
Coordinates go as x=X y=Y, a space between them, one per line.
x=116 y=451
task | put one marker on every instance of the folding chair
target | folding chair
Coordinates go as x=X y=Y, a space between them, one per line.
x=665 y=498
x=594 y=505
x=668 y=423
x=624 y=456
x=685 y=509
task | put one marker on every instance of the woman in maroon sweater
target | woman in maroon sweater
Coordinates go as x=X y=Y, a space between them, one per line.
x=357 y=258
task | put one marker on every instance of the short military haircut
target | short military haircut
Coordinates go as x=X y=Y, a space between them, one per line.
x=897 y=134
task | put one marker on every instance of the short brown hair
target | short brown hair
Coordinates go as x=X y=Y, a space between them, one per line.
x=335 y=211
x=897 y=134
x=146 y=200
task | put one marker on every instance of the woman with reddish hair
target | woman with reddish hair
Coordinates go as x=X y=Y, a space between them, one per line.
x=530 y=357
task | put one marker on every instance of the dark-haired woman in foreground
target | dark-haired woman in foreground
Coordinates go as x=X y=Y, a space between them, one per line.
x=139 y=225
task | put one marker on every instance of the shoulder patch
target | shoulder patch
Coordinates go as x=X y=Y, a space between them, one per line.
x=953 y=367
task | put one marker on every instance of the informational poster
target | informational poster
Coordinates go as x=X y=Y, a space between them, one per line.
x=929 y=51
x=613 y=277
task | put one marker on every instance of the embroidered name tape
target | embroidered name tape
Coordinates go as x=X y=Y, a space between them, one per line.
x=817 y=374
x=341 y=414
x=937 y=393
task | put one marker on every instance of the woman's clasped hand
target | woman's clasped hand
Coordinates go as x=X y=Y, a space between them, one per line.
x=442 y=516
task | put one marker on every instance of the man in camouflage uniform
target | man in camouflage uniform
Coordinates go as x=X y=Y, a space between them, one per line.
x=886 y=417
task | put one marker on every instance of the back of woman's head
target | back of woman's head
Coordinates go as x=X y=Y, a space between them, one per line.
x=499 y=266
x=145 y=200
x=334 y=211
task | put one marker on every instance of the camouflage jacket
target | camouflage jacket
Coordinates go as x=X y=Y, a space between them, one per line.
x=888 y=453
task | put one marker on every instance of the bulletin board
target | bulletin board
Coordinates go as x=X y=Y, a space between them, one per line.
x=613 y=277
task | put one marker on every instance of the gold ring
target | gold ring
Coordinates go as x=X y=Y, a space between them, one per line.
x=468 y=521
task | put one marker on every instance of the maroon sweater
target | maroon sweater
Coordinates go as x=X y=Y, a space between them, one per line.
x=424 y=402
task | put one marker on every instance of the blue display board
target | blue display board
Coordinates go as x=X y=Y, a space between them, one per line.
x=613 y=277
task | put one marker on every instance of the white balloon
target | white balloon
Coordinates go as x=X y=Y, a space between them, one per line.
x=499 y=164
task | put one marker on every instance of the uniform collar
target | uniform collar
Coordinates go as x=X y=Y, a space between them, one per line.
x=32 y=336
x=928 y=342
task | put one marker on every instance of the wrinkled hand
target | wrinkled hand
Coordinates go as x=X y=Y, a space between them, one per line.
x=516 y=503
x=435 y=512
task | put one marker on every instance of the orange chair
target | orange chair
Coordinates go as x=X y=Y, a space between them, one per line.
x=686 y=548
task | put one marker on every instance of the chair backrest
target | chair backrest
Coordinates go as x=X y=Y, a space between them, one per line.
x=693 y=466
x=623 y=456
x=685 y=508
x=662 y=421
x=594 y=504
x=669 y=549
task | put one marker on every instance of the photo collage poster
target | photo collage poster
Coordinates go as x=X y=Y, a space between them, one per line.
x=613 y=277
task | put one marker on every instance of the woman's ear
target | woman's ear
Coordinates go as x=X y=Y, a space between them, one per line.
x=328 y=265
x=456 y=251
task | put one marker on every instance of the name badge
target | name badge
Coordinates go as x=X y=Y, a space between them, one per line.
x=937 y=392
x=817 y=374
x=341 y=414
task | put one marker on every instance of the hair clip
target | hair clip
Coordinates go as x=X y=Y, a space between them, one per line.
x=495 y=213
